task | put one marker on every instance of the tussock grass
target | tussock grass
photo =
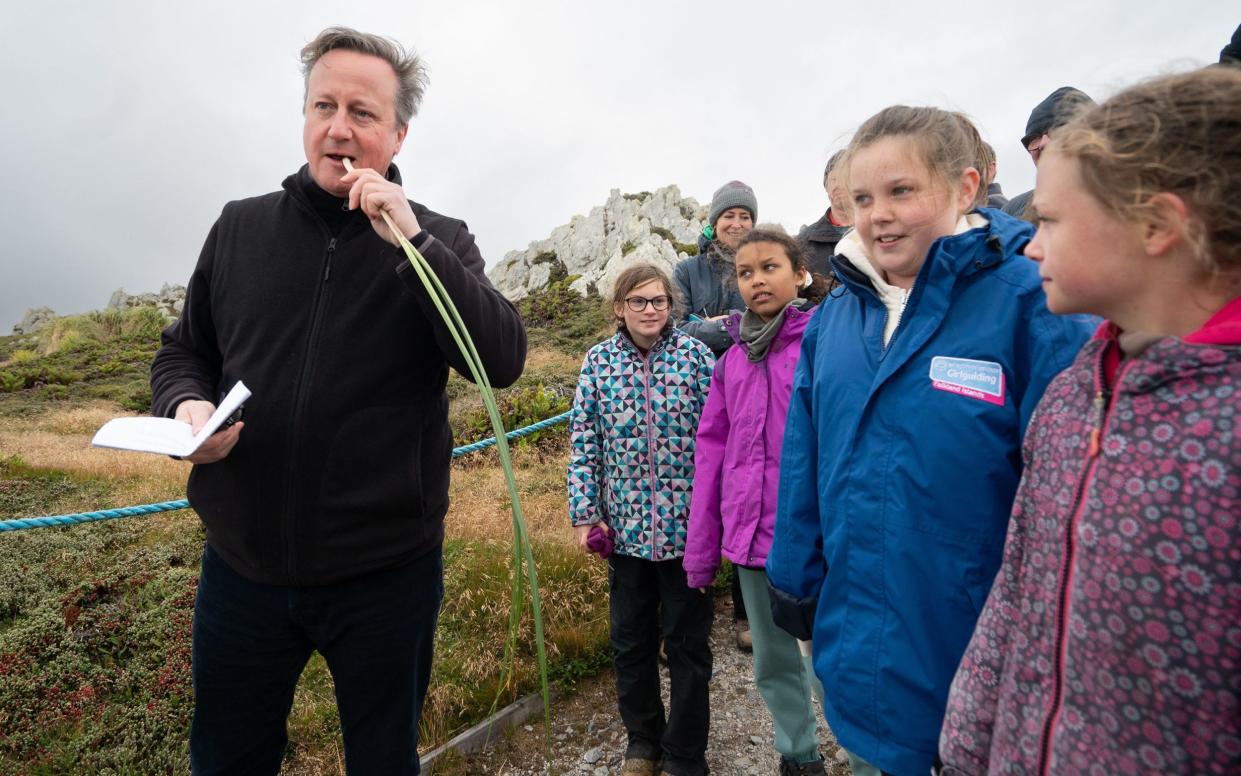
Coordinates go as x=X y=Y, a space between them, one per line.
x=142 y=324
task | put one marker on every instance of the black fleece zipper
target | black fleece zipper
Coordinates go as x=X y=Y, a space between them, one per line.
x=289 y=518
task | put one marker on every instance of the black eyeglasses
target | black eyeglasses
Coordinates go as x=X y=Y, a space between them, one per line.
x=639 y=303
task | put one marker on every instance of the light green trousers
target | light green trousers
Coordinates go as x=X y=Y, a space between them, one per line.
x=784 y=678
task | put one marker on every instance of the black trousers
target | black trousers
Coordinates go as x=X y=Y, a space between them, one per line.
x=251 y=642
x=648 y=597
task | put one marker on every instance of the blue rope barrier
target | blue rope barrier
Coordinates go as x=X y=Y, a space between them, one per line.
x=483 y=444
x=172 y=506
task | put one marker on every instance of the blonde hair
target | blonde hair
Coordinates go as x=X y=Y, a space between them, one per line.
x=948 y=143
x=1179 y=134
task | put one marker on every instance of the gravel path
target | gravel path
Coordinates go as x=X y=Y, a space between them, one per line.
x=588 y=738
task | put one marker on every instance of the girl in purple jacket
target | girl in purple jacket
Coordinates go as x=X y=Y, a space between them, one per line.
x=737 y=470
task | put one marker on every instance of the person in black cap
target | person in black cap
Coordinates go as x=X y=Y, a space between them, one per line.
x=1054 y=111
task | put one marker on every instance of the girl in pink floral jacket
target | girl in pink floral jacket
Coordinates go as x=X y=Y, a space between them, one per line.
x=1111 y=640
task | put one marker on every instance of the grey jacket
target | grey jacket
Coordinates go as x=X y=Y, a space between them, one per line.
x=707 y=289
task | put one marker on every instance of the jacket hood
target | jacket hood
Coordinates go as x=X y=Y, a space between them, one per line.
x=1223 y=328
x=1005 y=237
x=854 y=268
x=1055 y=110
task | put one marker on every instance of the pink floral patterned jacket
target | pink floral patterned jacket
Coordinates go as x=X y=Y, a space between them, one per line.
x=1111 y=640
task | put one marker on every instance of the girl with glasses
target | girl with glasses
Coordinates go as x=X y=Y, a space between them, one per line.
x=631 y=469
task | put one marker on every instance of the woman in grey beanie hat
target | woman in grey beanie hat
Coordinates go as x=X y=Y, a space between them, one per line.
x=733 y=194
x=705 y=282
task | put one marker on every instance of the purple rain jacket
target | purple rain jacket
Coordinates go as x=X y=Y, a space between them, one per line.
x=737 y=456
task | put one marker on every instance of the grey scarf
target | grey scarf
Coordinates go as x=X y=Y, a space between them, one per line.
x=757 y=335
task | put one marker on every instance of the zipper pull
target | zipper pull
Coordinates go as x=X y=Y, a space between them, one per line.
x=1096 y=433
x=327 y=270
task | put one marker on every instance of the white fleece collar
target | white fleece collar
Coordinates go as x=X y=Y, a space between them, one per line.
x=893 y=297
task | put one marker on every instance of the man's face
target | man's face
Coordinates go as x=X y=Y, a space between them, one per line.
x=350 y=111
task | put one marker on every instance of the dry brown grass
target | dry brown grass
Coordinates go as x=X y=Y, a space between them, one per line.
x=60 y=439
x=479 y=499
x=551 y=359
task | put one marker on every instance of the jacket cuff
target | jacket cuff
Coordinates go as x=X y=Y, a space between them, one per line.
x=794 y=615
x=171 y=410
x=697 y=579
x=420 y=240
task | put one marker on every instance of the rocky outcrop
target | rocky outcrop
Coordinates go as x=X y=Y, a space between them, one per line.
x=659 y=227
x=169 y=300
x=34 y=320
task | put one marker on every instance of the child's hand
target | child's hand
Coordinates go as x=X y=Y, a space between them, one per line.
x=582 y=533
x=702 y=590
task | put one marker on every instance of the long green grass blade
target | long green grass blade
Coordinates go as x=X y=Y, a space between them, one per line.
x=522 y=548
x=521 y=536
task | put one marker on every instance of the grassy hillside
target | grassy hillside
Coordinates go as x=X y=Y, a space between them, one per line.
x=95 y=619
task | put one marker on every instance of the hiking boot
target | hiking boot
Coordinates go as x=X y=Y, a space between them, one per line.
x=812 y=768
x=636 y=766
x=744 y=642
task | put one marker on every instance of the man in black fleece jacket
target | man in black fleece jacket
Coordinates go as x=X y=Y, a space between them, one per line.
x=324 y=510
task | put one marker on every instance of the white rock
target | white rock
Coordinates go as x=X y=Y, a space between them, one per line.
x=597 y=246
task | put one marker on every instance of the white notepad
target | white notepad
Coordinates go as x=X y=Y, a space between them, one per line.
x=166 y=436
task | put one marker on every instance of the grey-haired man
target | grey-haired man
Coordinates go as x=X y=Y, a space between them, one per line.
x=324 y=509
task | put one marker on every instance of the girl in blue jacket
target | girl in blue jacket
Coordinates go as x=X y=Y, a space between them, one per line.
x=902 y=446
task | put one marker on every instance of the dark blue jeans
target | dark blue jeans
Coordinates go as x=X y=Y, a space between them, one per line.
x=252 y=641
x=649 y=598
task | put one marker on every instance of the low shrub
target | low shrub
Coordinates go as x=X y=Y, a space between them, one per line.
x=519 y=407
x=560 y=316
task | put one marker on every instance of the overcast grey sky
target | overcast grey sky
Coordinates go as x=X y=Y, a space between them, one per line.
x=128 y=125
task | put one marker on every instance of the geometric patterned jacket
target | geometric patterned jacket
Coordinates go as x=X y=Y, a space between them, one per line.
x=632 y=431
x=1111 y=640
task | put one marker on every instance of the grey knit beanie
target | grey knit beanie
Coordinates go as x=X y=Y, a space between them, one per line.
x=730 y=195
